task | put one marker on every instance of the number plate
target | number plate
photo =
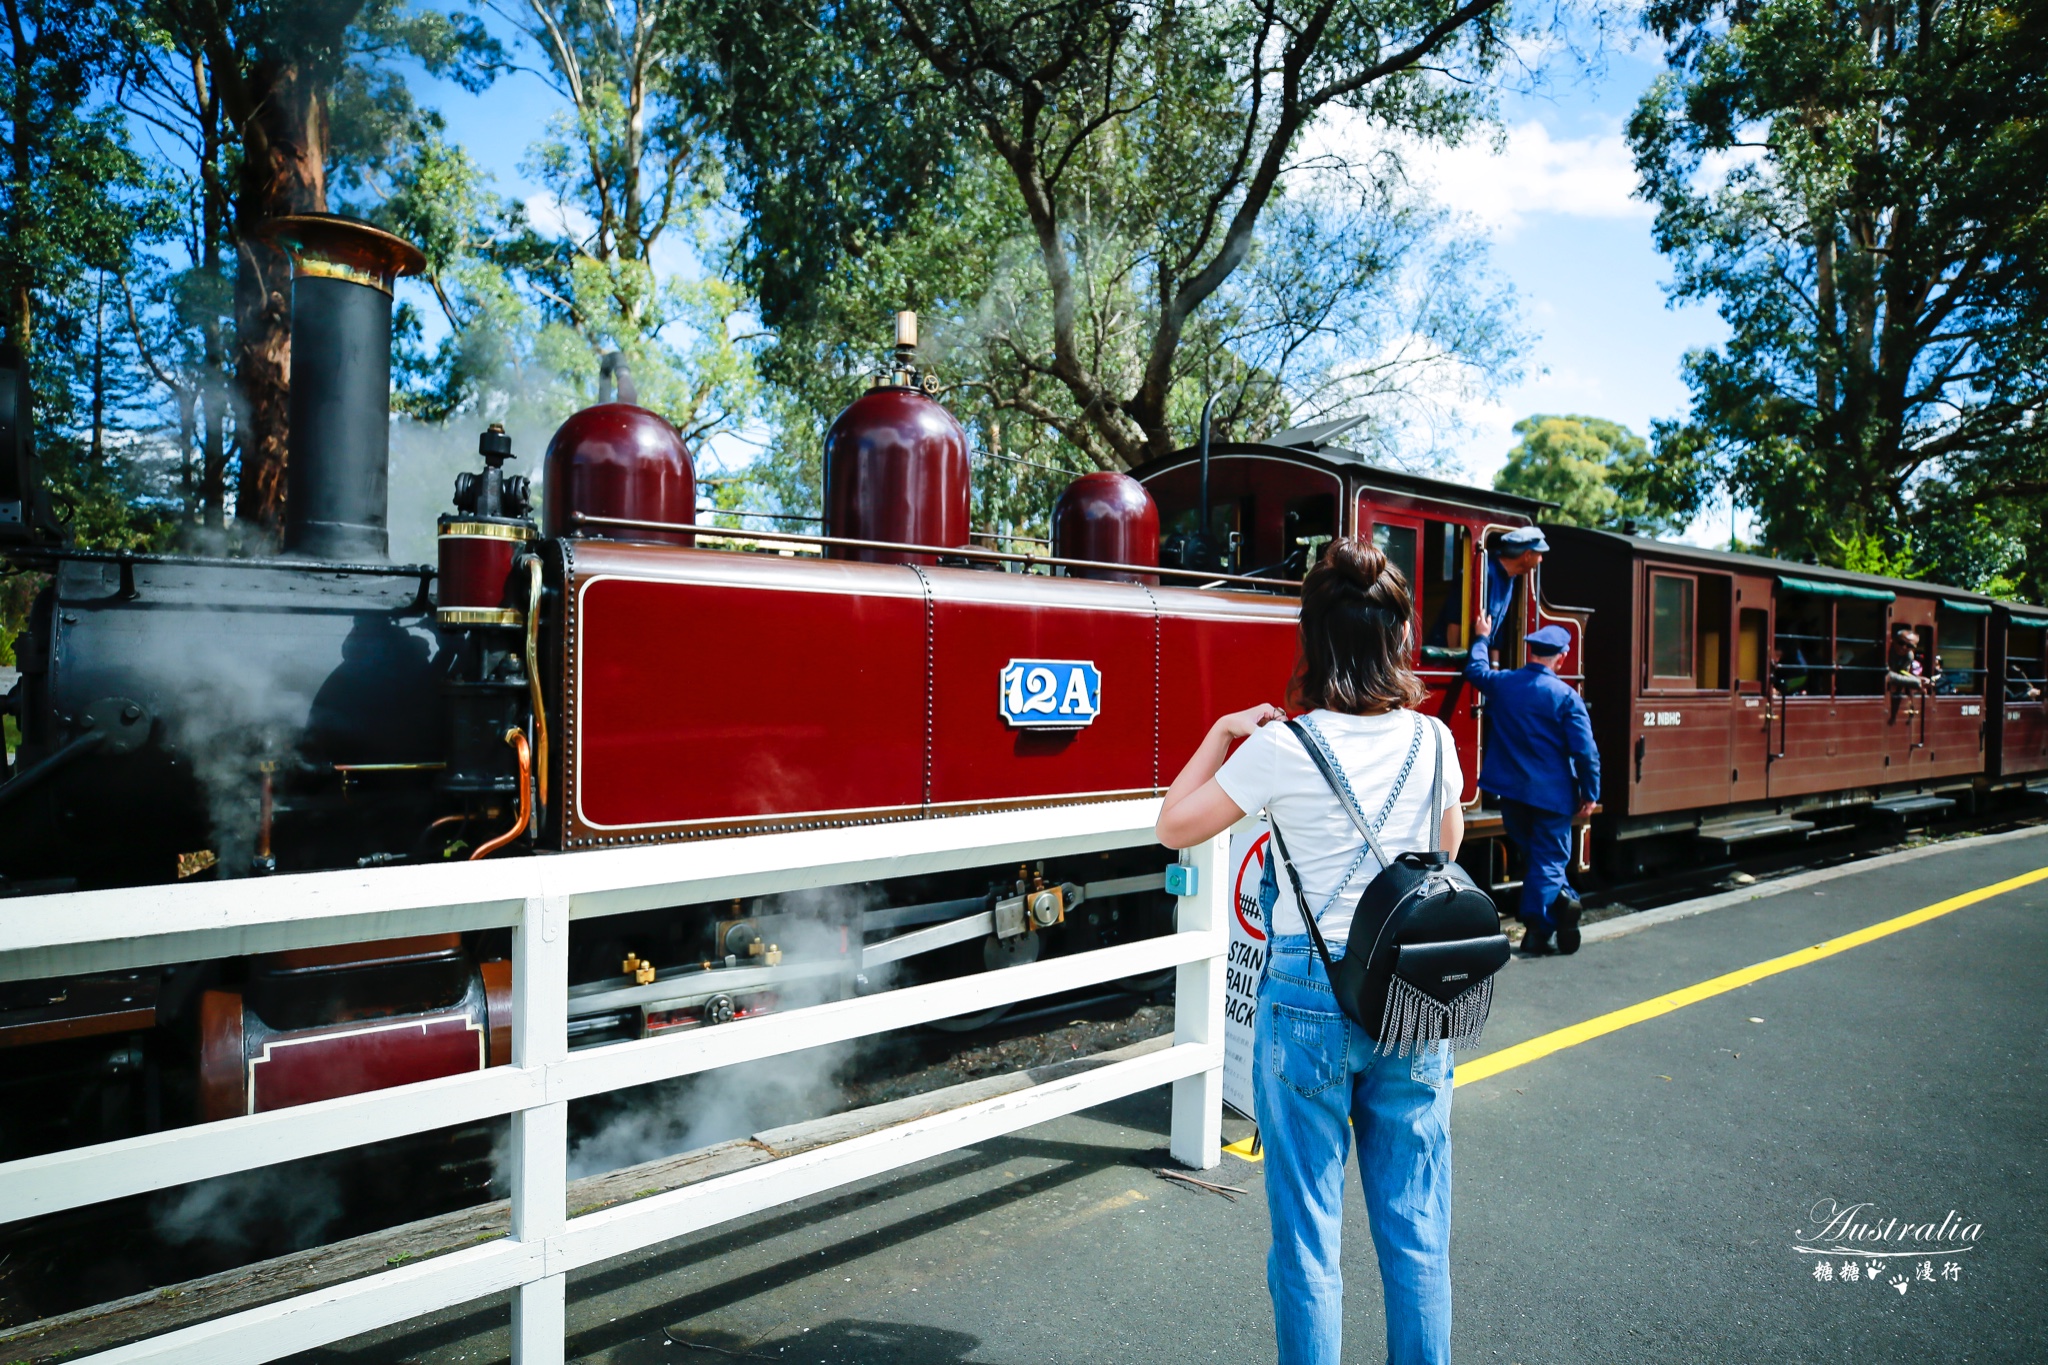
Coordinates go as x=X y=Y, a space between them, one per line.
x=1050 y=694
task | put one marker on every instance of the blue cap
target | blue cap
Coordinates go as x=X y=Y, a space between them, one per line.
x=1523 y=539
x=1549 y=640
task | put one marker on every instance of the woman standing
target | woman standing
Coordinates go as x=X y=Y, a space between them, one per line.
x=1314 y=1069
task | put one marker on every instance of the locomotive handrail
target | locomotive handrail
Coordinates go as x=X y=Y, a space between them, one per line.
x=424 y=572
x=941 y=551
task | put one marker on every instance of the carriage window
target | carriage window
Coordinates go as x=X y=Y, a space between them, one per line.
x=1671 y=629
x=1802 y=653
x=1750 y=645
x=2025 y=677
x=1444 y=556
x=1710 y=641
x=1860 y=650
x=1958 y=654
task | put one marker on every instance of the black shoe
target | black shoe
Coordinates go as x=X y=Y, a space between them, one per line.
x=1537 y=945
x=1566 y=911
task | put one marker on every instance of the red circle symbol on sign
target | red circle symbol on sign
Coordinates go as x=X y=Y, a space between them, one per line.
x=1255 y=854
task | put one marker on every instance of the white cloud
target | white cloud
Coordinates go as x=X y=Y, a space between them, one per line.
x=548 y=213
x=1500 y=183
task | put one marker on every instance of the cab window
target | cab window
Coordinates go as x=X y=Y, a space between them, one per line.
x=1446 y=626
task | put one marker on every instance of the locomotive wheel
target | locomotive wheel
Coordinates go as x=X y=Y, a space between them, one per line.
x=996 y=954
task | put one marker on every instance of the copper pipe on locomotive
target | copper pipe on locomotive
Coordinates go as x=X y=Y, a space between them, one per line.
x=515 y=737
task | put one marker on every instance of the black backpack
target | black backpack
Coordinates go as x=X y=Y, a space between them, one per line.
x=1425 y=940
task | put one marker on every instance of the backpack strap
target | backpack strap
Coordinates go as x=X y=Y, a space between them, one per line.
x=1301 y=900
x=1304 y=730
x=1436 y=794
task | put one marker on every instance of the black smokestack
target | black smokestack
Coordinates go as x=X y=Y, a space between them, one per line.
x=340 y=440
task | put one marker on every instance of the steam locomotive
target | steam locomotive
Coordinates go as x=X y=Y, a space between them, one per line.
x=619 y=673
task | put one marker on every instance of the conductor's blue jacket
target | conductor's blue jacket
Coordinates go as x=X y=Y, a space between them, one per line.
x=1540 y=751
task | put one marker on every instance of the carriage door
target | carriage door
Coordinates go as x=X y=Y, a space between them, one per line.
x=1749 y=757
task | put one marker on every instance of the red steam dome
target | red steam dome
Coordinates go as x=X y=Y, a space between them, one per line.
x=619 y=460
x=896 y=469
x=1108 y=517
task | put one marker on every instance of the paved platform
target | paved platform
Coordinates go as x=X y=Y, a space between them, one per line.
x=1635 y=1197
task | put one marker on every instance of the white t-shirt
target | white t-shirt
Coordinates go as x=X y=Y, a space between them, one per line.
x=1272 y=770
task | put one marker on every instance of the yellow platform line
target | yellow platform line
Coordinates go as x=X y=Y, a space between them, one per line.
x=1521 y=1054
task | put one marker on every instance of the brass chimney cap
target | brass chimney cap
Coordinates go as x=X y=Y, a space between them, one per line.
x=336 y=247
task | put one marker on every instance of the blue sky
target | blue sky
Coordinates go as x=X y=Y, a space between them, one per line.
x=1554 y=198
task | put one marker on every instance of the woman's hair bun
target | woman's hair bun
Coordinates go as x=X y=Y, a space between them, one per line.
x=1358 y=563
x=1355 y=614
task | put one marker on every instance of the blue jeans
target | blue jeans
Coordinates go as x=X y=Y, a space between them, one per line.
x=1545 y=838
x=1313 y=1070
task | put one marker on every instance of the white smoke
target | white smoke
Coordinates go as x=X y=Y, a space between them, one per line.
x=249 y=1209
x=670 y=1118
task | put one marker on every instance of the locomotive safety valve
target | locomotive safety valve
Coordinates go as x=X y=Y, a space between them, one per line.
x=639 y=968
x=773 y=957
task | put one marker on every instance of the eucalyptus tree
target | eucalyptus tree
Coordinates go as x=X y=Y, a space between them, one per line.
x=1142 y=200
x=1861 y=188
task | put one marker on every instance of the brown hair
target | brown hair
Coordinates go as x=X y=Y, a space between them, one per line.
x=1354 y=656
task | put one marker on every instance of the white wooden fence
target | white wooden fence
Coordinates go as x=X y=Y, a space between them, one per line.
x=537 y=898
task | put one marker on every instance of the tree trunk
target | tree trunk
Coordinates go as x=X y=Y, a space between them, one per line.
x=283 y=170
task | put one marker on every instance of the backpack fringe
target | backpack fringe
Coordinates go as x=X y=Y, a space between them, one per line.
x=1413 y=1020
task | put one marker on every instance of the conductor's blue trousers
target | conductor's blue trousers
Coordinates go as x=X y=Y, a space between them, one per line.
x=1545 y=838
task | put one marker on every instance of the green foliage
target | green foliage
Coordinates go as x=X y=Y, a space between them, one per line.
x=1109 y=211
x=1586 y=465
x=532 y=306
x=1862 y=189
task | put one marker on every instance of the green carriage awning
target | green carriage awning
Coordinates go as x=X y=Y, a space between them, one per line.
x=1818 y=588
x=2024 y=615
x=1967 y=608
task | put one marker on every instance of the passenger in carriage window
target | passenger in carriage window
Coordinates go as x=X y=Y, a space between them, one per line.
x=2018 y=686
x=1905 y=672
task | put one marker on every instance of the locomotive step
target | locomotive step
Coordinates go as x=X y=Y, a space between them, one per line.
x=1904 y=807
x=1730 y=832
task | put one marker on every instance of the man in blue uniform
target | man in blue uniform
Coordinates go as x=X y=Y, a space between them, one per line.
x=1540 y=764
x=1512 y=556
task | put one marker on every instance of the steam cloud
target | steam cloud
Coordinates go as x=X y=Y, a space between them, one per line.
x=663 y=1120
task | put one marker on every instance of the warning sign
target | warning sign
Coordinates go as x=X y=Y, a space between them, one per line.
x=1246 y=964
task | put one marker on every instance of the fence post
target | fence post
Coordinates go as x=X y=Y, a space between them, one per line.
x=540 y=1135
x=1198 y=1008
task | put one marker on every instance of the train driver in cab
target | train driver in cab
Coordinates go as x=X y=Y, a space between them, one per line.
x=1512 y=557
x=1541 y=765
